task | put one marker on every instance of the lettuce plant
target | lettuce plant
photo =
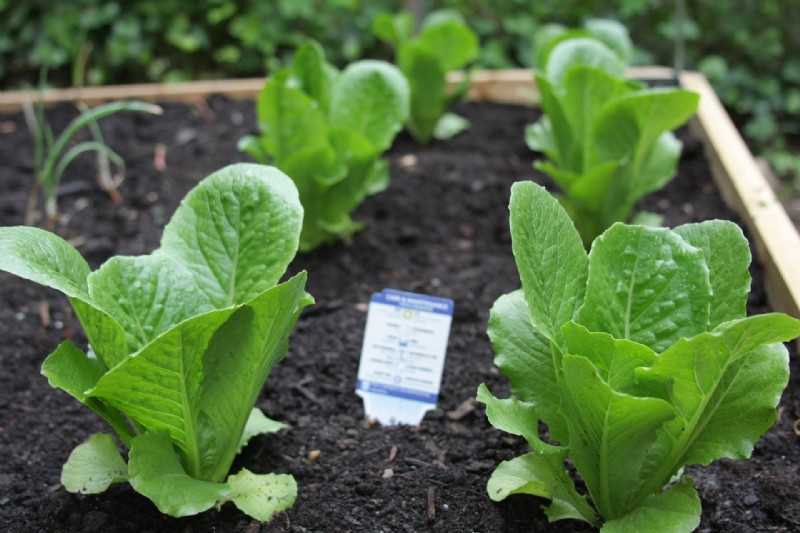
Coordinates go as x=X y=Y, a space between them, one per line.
x=607 y=140
x=327 y=131
x=611 y=33
x=639 y=359
x=180 y=342
x=444 y=43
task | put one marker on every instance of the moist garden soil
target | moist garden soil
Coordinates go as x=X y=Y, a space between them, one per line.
x=441 y=229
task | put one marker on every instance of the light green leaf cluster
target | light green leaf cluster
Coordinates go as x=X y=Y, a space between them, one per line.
x=640 y=359
x=611 y=33
x=444 y=43
x=607 y=140
x=181 y=342
x=327 y=130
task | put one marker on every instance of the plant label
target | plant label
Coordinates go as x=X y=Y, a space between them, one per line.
x=402 y=357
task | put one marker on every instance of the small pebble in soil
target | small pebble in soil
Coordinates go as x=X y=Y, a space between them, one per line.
x=751 y=499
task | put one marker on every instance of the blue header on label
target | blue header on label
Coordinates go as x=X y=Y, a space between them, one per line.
x=397 y=392
x=410 y=300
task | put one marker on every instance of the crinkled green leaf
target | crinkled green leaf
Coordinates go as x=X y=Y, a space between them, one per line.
x=676 y=510
x=611 y=435
x=529 y=360
x=371 y=98
x=727 y=255
x=236 y=232
x=550 y=258
x=647 y=285
x=94 y=465
x=156 y=472
x=150 y=294
x=262 y=495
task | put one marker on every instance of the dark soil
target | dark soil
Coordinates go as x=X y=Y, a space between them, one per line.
x=440 y=229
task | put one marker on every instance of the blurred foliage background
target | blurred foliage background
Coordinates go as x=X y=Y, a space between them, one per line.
x=749 y=49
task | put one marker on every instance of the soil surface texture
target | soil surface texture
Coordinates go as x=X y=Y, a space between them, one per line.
x=440 y=229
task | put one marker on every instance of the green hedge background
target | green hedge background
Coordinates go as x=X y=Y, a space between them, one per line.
x=749 y=49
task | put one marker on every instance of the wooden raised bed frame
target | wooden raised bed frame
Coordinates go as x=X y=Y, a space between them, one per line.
x=741 y=182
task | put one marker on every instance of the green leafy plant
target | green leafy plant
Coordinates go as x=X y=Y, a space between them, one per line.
x=444 y=43
x=639 y=359
x=607 y=139
x=52 y=155
x=180 y=342
x=327 y=131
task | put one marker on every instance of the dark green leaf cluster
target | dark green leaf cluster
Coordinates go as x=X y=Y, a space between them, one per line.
x=639 y=359
x=444 y=43
x=180 y=342
x=607 y=139
x=327 y=130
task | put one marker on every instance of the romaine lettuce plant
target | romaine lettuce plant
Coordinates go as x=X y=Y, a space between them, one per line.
x=444 y=43
x=180 y=342
x=639 y=359
x=607 y=139
x=327 y=131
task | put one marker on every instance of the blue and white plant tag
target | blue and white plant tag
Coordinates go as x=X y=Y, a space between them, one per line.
x=402 y=357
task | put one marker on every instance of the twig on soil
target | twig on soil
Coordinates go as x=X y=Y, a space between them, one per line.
x=44 y=314
x=431 y=504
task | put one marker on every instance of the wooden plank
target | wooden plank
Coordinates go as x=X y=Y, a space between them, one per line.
x=738 y=176
x=747 y=191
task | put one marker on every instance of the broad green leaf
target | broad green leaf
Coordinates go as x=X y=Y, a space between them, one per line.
x=371 y=98
x=236 y=232
x=106 y=336
x=541 y=475
x=584 y=52
x=150 y=294
x=262 y=495
x=584 y=92
x=725 y=384
x=68 y=368
x=529 y=360
x=393 y=29
x=613 y=34
x=544 y=40
x=156 y=472
x=647 y=285
x=160 y=386
x=611 y=435
x=554 y=137
x=656 y=170
x=615 y=359
x=453 y=42
x=45 y=258
x=241 y=355
x=309 y=71
x=727 y=255
x=630 y=125
x=257 y=424
x=550 y=258
x=289 y=119
x=94 y=465
x=427 y=84
x=676 y=510
x=449 y=126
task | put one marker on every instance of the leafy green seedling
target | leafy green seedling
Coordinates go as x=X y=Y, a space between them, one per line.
x=180 y=342
x=444 y=43
x=51 y=156
x=637 y=356
x=327 y=131
x=607 y=140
